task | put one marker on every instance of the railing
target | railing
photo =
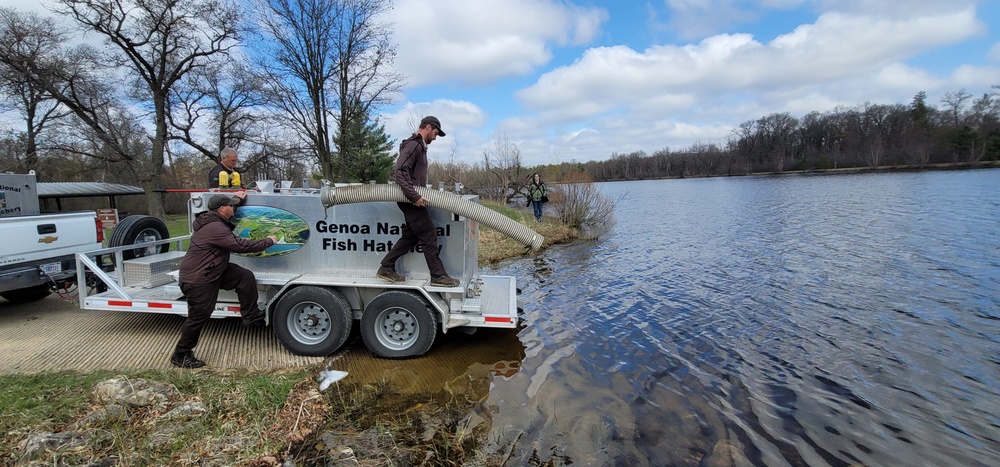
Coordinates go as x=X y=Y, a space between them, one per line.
x=84 y=261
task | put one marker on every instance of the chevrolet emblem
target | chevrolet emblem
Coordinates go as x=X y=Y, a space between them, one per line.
x=48 y=239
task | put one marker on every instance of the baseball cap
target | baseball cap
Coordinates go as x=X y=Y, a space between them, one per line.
x=218 y=201
x=434 y=122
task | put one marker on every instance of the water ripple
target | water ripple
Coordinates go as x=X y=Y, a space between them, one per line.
x=835 y=320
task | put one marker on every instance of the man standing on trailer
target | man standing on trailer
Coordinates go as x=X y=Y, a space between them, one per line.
x=411 y=171
x=205 y=269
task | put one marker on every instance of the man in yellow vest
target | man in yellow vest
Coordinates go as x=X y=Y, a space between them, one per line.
x=224 y=175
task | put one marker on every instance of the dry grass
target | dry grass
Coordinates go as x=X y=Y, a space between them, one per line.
x=495 y=246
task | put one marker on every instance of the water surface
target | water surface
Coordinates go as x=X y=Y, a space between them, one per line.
x=794 y=320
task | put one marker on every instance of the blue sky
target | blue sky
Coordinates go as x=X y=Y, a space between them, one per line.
x=580 y=80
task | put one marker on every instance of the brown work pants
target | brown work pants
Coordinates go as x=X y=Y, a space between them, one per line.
x=418 y=228
x=201 y=300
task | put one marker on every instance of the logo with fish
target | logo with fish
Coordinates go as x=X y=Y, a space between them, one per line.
x=258 y=222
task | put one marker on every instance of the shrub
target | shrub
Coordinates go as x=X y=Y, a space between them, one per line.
x=580 y=205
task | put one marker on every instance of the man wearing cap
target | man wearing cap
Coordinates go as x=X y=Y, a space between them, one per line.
x=205 y=269
x=410 y=172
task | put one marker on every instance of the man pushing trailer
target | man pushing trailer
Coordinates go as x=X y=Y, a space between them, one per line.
x=206 y=269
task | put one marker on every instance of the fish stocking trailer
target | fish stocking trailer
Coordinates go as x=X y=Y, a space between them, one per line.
x=319 y=279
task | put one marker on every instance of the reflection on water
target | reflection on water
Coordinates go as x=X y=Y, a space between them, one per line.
x=459 y=364
x=833 y=320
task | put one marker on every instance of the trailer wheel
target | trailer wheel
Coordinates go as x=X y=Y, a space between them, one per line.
x=312 y=321
x=398 y=324
x=135 y=230
x=27 y=294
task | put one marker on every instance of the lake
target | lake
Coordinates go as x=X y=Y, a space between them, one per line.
x=787 y=320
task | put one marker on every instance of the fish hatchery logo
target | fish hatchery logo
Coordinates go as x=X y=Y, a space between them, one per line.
x=257 y=222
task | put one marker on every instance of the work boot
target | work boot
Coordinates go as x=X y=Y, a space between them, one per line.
x=389 y=274
x=186 y=360
x=255 y=319
x=444 y=281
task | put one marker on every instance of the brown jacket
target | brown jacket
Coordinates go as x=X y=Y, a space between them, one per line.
x=211 y=243
x=411 y=166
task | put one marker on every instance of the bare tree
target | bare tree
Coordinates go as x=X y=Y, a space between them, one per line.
x=156 y=43
x=28 y=35
x=503 y=161
x=955 y=106
x=221 y=98
x=325 y=64
x=365 y=82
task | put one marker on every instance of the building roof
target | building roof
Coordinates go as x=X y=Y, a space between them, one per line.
x=83 y=189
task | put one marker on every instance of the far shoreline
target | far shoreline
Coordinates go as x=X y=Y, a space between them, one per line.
x=836 y=171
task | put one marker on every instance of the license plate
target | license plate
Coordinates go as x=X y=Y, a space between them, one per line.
x=51 y=268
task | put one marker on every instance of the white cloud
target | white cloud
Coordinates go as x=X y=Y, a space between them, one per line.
x=477 y=42
x=975 y=76
x=459 y=119
x=835 y=47
x=994 y=54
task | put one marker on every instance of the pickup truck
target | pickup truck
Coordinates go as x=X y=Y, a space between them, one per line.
x=37 y=249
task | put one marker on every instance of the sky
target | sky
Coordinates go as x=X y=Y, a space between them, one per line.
x=581 y=80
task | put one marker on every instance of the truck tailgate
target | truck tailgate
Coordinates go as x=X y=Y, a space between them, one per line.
x=33 y=238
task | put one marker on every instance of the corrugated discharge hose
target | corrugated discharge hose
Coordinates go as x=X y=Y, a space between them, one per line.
x=331 y=196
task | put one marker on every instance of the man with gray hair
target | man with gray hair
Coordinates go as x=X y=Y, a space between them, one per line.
x=224 y=175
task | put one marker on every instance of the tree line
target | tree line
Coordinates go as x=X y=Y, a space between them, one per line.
x=964 y=130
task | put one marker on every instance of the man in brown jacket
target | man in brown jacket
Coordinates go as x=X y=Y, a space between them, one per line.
x=205 y=269
x=410 y=172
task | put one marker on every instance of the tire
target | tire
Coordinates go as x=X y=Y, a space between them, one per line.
x=28 y=294
x=135 y=230
x=398 y=324
x=312 y=321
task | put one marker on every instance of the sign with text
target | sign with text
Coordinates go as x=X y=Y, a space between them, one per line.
x=108 y=217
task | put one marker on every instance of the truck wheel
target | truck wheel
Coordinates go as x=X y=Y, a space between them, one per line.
x=398 y=324
x=28 y=294
x=136 y=230
x=312 y=321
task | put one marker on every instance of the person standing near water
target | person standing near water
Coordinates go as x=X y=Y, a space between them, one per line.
x=538 y=194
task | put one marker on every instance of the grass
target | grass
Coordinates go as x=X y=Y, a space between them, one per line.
x=251 y=419
x=177 y=225
x=241 y=410
x=495 y=246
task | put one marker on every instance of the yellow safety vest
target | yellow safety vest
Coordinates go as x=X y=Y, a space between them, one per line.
x=229 y=181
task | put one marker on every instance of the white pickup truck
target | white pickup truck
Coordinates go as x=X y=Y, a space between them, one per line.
x=37 y=249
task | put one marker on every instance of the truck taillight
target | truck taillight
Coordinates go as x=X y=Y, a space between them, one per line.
x=100 y=230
